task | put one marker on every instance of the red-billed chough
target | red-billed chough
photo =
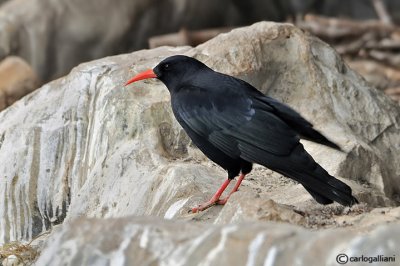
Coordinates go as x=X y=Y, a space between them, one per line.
x=235 y=125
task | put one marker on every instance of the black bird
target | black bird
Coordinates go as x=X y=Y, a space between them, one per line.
x=235 y=125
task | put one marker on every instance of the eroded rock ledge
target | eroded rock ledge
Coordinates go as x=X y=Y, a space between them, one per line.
x=145 y=241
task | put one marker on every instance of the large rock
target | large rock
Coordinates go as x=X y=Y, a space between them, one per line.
x=149 y=241
x=86 y=145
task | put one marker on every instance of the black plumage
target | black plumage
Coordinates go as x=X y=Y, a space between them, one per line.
x=235 y=125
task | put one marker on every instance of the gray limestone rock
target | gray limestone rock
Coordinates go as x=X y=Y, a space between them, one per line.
x=149 y=241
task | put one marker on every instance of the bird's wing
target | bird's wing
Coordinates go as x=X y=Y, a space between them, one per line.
x=231 y=120
x=292 y=118
x=303 y=127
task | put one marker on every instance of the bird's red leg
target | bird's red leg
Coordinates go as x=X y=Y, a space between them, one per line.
x=234 y=189
x=214 y=199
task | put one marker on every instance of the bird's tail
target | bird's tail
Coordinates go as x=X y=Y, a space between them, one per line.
x=323 y=187
x=318 y=197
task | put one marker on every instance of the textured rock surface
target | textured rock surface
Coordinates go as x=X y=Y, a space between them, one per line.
x=148 y=241
x=86 y=145
x=16 y=80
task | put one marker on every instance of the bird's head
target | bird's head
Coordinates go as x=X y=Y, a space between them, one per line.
x=172 y=71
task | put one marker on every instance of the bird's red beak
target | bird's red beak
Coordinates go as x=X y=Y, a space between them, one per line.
x=143 y=75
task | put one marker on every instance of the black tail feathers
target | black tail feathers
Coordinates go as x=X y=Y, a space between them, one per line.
x=324 y=188
x=342 y=192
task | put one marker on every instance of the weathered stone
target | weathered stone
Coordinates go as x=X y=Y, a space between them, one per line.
x=16 y=80
x=151 y=241
x=250 y=207
x=86 y=145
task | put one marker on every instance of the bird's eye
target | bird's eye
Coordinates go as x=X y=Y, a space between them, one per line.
x=166 y=66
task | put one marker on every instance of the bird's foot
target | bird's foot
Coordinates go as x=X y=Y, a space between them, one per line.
x=204 y=206
x=201 y=207
x=209 y=204
x=223 y=201
x=214 y=200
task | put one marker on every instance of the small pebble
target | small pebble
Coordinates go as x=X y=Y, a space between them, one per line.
x=12 y=260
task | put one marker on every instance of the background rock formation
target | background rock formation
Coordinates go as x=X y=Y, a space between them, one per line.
x=16 y=80
x=84 y=145
x=55 y=35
